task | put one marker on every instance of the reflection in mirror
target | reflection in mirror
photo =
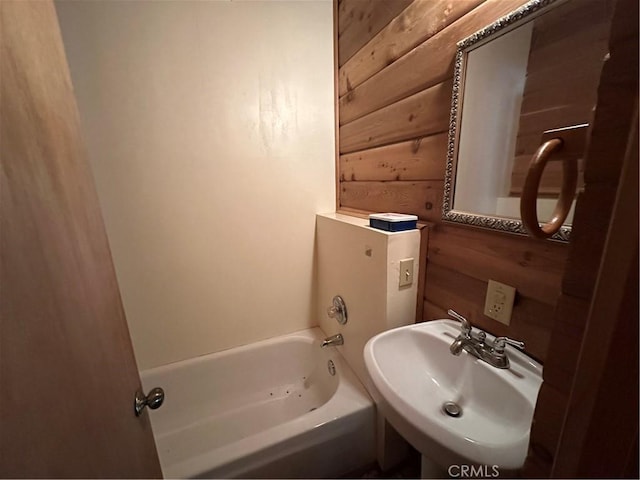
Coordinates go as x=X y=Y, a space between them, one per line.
x=535 y=70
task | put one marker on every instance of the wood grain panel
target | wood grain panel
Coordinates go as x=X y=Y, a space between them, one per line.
x=619 y=381
x=551 y=180
x=426 y=65
x=593 y=210
x=422 y=114
x=365 y=18
x=67 y=369
x=530 y=321
x=588 y=40
x=565 y=93
x=570 y=71
x=460 y=260
x=431 y=311
x=529 y=143
x=544 y=436
x=423 y=199
x=604 y=373
x=615 y=113
x=632 y=468
x=370 y=164
x=420 y=159
x=422 y=271
x=418 y=22
x=534 y=268
x=565 y=341
x=555 y=117
x=550 y=183
x=571 y=17
x=607 y=148
x=559 y=91
x=346 y=14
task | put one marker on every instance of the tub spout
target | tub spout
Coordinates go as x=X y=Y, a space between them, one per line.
x=333 y=340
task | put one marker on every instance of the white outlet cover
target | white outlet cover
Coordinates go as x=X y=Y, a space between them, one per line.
x=498 y=303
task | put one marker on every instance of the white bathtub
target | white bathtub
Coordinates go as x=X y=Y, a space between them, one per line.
x=269 y=409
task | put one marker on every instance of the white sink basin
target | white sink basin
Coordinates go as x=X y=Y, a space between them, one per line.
x=413 y=373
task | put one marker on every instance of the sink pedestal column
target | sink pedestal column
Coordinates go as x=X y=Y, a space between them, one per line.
x=391 y=448
x=429 y=469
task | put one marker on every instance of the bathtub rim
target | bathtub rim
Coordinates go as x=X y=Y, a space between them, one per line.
x=349 y=399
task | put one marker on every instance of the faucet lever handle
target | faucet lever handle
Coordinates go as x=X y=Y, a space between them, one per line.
x=466 y=326
x=501 y=342
x=338 y=310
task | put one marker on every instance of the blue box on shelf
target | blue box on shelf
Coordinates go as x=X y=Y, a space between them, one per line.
x=393 y=222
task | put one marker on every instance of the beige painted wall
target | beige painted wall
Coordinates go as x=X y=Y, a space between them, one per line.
x=209 y=127
x=362 y=265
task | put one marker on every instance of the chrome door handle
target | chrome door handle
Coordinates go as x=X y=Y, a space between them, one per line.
x=153 y=400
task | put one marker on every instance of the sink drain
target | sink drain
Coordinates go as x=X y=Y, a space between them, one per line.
x=452 y=409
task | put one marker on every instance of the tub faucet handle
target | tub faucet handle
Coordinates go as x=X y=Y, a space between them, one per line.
x=338 y=310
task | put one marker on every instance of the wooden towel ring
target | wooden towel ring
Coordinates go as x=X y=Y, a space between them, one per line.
x=528 y=201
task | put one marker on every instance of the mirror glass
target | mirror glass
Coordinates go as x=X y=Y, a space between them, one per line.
x=534 y=70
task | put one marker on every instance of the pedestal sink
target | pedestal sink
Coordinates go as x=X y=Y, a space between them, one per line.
x=454 y=409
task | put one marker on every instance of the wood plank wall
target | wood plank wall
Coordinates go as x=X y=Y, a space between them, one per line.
x=563 y=72
x=394 y=100
x=615 y=120
x=398 y=77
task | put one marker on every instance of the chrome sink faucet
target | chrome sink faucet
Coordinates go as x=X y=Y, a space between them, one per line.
x=476 y=344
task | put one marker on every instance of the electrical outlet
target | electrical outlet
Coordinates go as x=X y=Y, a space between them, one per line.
x=498 y=303
x=406 y=272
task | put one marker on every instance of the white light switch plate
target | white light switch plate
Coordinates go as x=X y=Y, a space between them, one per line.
x=498 y=303
x=406 y=272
